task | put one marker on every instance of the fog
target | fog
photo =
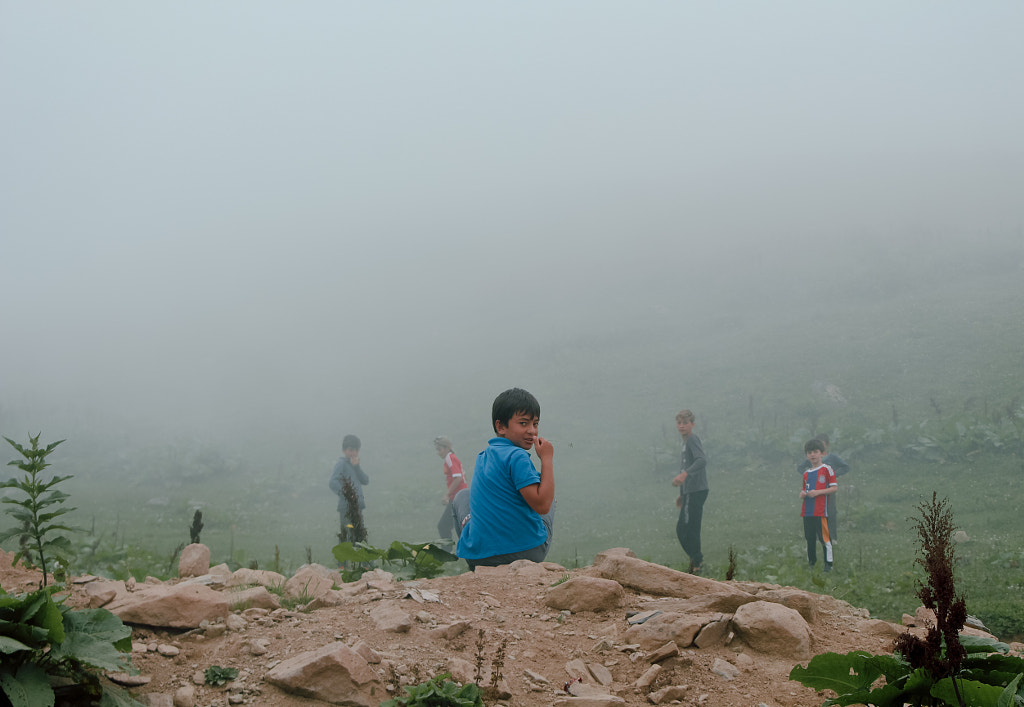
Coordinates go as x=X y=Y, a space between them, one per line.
x=271 y=224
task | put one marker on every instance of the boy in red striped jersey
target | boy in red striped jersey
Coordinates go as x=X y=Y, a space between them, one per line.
x=454 y=482
x=819 y=485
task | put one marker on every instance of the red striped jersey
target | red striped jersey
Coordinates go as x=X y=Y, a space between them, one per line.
x=821 y=477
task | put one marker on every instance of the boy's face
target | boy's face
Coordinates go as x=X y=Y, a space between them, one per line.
x=815 y=456
x=442 y=451
x=685 y=428
x=521 y=430
x=350 y=453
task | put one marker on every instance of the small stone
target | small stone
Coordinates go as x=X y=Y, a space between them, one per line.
x=129 y=680
x=643 y=616
x=536 y=677
x=668 y=694
x=185 y=696
x=215 y=630
x=725 y=669
x=648 y=678
x=669 y=650
x=601 y=674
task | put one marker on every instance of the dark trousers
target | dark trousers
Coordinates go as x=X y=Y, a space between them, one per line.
x=691 y=514
x=446 y=525
x=817 y=530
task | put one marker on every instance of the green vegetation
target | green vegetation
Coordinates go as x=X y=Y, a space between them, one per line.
x=41 y=544
x=943 y=668
x=50 y=652
x=916 y=379
x=438 y=692
x=405 y=560
x=561 y=580
x=217 y=676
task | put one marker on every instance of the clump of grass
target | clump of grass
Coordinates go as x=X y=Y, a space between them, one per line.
x=730 y=571
x=173 y=558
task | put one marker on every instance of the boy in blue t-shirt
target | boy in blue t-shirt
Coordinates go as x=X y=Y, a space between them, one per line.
x=511 y=504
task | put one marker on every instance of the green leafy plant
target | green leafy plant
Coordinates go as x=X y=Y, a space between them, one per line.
x=988 y=677
x=50 y=651
x=41 y=544
x=561 y=580
x=943 y=668
x=217 y=676
x=410 y=560
x=438 y=692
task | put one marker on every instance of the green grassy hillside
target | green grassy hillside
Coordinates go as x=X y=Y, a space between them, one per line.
x=912 y=364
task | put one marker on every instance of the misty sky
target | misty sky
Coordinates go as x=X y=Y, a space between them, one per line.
x=217 y=210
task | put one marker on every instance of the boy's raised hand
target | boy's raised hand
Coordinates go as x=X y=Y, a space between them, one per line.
x=544 y=448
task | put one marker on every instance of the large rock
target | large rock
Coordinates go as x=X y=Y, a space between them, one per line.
x=245 y=577
x=774 y=629
x=390 y=616
x=334 y=673
x=657 y=579
x=309 y=582
x=667 y=626
x=177 y=606
x=586 y=594
x=254 y=597
x=194 y=560
x=804 y=602
x=714 y=634
x=103 y=592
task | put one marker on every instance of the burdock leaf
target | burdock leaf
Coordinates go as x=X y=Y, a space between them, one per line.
x=982 y=644
x=93 y=637
x=974 y=693
x=841 y=673
x=346 y=552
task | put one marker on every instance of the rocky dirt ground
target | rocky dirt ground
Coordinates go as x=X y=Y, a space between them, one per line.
x=538 y=642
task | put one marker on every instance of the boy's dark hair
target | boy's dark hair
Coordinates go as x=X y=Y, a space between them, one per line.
x=512 y=401
x=814 y=444
x=685 y=416
x=351 y=442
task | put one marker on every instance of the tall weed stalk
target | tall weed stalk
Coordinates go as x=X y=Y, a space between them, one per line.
x=40 y=540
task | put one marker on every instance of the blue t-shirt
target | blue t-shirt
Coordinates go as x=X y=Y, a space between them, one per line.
x=501 y=521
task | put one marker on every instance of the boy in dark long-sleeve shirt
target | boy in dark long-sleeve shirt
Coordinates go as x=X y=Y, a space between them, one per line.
x=348 y=468
x=693 y=490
